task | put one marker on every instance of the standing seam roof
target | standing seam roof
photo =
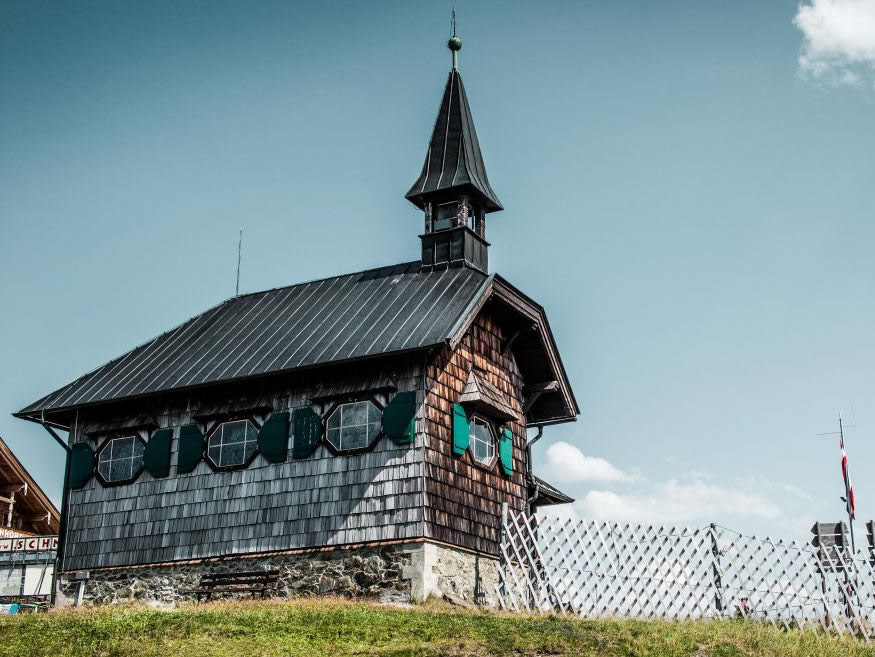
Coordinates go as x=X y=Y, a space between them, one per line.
x=379 y=311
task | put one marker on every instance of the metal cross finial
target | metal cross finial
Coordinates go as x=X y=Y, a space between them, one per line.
x=455 y=43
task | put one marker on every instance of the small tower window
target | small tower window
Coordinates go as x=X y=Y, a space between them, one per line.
x=232 y=444
x=353 y=426
x=121 y=459
x=445 y=215
x=482 y=442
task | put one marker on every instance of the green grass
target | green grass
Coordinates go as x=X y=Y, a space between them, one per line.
x=337 y=627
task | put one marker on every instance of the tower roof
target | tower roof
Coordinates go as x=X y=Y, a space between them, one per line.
x=454 y=160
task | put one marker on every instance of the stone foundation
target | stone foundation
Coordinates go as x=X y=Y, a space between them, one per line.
x=398 y=573
x=437 y=569
x=366 y=572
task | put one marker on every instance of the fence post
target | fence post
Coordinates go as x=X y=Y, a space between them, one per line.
x=716 y=572
x=502 y=563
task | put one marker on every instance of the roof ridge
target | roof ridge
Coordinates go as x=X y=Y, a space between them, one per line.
x=192 y=318
x=320 y=311
x=320 y=280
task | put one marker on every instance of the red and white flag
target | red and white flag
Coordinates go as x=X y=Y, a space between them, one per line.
x=849 y=490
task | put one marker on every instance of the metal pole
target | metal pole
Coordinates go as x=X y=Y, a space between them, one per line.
x=62 y=525
x=846 y=476
x=239 y=253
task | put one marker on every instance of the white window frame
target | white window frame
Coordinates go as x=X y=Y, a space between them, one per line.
x=135 y=459
x=474 y=439
x=372 y=433
x=248 y=453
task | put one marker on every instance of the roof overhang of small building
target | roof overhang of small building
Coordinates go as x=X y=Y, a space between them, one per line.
x=543 y=494
x=41 y=516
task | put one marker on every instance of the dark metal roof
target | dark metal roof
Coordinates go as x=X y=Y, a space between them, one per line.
x=454 y=160
x=380 y=311
x=547 y=494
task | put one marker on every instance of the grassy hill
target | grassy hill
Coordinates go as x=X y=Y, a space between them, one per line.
x=337 y=627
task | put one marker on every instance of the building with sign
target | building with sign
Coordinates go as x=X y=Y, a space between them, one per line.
x=359 y=433
x=25 y=510
x=28 y=533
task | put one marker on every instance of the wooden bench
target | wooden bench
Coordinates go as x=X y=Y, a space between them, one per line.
x=252 y=582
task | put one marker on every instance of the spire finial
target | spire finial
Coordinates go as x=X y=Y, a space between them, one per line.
x=455 y=43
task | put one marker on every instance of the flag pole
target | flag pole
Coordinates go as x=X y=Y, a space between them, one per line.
x=846 y=477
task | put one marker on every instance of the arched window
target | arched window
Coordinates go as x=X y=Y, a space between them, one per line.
x=482 y=441
x=353 y=426
x=232 y=444
x=120 y=459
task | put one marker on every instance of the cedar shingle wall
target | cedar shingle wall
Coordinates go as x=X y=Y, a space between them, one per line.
x=318 y=501
x=463 y=500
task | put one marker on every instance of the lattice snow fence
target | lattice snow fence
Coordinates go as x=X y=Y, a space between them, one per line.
x=598 y=570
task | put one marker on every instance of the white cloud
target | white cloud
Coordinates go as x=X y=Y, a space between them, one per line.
x=676 y=502
x=839 y=39
x=566 y=463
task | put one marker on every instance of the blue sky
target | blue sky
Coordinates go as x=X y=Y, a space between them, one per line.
x=688 y=191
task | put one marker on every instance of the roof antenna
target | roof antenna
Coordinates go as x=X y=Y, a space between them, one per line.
x=455 y=43
x=239 y=252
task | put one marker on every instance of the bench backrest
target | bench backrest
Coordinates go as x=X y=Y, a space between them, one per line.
x=247 y=577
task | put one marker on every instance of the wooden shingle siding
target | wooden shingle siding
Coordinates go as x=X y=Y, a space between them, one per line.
x=462 y=500
x=322 y=500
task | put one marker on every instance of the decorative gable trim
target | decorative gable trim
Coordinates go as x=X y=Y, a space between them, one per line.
x=532 y=317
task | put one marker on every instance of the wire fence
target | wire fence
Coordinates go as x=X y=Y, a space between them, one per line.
x=609 y=570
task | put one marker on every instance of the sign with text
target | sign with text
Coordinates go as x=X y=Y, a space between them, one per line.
x=5 y=532
x=29 y=544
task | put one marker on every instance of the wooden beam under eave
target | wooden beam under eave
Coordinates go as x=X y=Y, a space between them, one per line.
x=547 y=386
x=509 y=342
x=534 y=391
x=45 y=518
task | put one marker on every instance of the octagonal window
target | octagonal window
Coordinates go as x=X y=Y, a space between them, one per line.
x=121 y=459
x=354 y=426
x=232 y=444
x=482 y=441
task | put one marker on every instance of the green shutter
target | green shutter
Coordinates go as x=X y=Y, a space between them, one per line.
x=461 y=430
x=191 y=448
x=81 y=465
x=505 y=451
x=308 y=432
x=273 y=439
x=399 y=418
x=156 y=458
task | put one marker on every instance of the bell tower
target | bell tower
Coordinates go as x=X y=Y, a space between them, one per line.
x=453 y=190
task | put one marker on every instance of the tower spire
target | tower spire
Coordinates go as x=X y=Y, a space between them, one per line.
x=455 y=43
x=453 y=190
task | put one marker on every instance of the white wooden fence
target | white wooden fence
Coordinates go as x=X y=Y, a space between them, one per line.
x=598 y=570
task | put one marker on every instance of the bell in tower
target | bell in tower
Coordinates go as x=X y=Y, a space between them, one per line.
x=453 y=190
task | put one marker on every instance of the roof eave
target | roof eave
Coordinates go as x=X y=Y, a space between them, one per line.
x=35 y=415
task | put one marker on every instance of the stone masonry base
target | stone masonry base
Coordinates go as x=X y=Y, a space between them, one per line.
x=396 y=573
